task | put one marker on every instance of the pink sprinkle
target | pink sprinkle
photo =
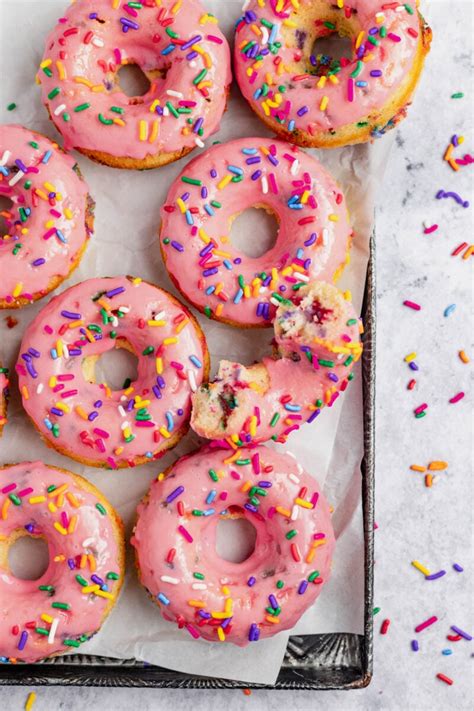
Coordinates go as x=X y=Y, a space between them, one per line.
x=273 y=183
x=457 y=397
x=118 y=56
x=319 y=536
x=192 y=631
x=314 y=498
x=412 y=305
x=393 y=37
x=213 y=38
x=234 y=474
x=101 y=433
x=350 y=89
x=185 y=534
x=64 y=519
x=427 y=623
x=271 y=512
x=8 y=488
x=100 y=445
x=111 y=462
x=287 y=156
x=48 y=329
x=429 y=230
x=421 y=408
x=25 y=492
x=69 y=393
x=256 y=463
x=66 y=376
x=223 y=495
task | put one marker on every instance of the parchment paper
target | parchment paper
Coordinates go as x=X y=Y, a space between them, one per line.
x=125 y=242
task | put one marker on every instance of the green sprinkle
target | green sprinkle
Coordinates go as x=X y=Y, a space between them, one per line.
x=319 y=403
x=351 y=322
x=326 y=363
x=266 y=23
x=101 y=509
x=82 y=581
x=113 y=334
x=274 y=419
x=373 y=41
x=48 y=72
x=273 y=610
x=457 y=95
x=242 y=462
x=191 y=181
x=376 y=610
x=33 y=144
x=15 y=499
x=309 y=356
x=11 y=107
x=136 y=5
x=312 y=576
x=213 y=475
x=329 y=25
x=199 y=576
x=55 y=430
x=105 y=121
x=61 y=605
x=420 y=414
x=241 y=281
x=166 y=240
x=148 y=350
x=16 y=248
x=408 y=8
x=171 y=109
x=280 y=584
x=357 y=70
x=42 y=630
x=291 y=534
x=46 y=588
x=351 y=376
x=117 y=109
x=200 y=76
x=54 y=92
x=169 y=31
x=216 y=204
x=253 y=500
x=71 y=643
x=348 y=360
x=207 y=311
x=383 y=31
x=112 y=576
x=82 y=107
x=197 y=512
x=28 y=184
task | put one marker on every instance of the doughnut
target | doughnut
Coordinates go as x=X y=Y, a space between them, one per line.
x=68 y=603
x=175 y=543
x=87 y=420
x=3 y=397
x=318 y=339
x=50 y=219
x=176 y=44
x=318 y=100
x=313 y=238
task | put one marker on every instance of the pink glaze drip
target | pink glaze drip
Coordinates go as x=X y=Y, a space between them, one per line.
x=158 y=531
x=93 y=427
x=89 y=45
x=48 y=224
x=391 y=57
x=200 y=256
x=21 y=601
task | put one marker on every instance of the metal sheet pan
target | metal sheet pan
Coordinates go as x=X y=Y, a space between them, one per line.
x=328 y=661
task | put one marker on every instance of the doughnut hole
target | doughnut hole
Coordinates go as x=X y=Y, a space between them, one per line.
x=235 y=538
x=327 y=53
x=6 y=215
x=117 y=367
x=132 y=81
x=28 y=556
x=254 y=232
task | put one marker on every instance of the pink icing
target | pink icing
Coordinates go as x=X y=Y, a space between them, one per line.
x=288 y=500
x=3 y=398
x=89 y=45
x=46 y=226
x=384 y=64
x=103 y=427
x=92 y=534
x=312 y=241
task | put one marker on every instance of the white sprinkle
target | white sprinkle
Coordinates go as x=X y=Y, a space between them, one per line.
x=97 y=42
x=124 y=309
x=88 y=542
x=166 y=111
x=264 y=185
x=40 y=388
x=125 y=424
x=177 y=94
x=169 y=579
x=294 y=513
x=199 y=142
x=294 y=478
x=199 y=586
x=122 y=411
x=160 y=316
x=5 y=158
x=192 y=64
x=400 y=8
x=246 y=4
x=275 y=302
x=265 y=35
x=16 y=178
x=324 y=236
x=114 y=321
x=302 y=277
x=65 y=350
x=123 y=398
x=59 y=110
x=52 y=630
x=295 y=166
x=192 y=380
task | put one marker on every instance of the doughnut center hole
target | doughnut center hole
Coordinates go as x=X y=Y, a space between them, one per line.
x=117 y=367
x=6 y=215
x=28 y=558
x=254 y=232
x=133 y=81
x=235 y=539
x=327 y=52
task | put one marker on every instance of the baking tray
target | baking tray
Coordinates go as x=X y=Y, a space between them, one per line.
x=311 y=662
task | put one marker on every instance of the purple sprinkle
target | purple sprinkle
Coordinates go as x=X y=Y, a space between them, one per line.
x=190 y=42
x=456 y=630
x=302 y=587
x=458 y=568
x=304 y=110
x=98 y=581
x=128 y=24
x=226 y=622
x=250 y=507
x=174 y=494
x=55 y=411
x=313 y=416
x=311 y=240
x=333 y=377
x=251 y=581
x=413 y=366
x=92 y=415
x=205 y=615
x=376 y=73
x=253 y=632
x=414 y=645
x=210 y=272
x=273 y=601
x=256 y=175
x=253 y=160
x=192 y=55
x=156 y=391
x=70 y=314
x=177 y=246
x=161 y=382
x=238 y=260
x=114 y=292
x=22 y=642
x=71 y=563
x=180 y=412
x=265 y=484
x=98 y=403
x=34 y=352
x=38 y=262
x=204 y=192
x=435 y=576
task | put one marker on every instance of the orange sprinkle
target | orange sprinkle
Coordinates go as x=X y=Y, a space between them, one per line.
x=429 y=480
x=437 y=466
x=464 y=357
x=417 y=468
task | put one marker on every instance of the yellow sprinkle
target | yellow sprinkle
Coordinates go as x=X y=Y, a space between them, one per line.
x=359 y=39
x=176 y=7
x=221 y=634
x=59 y=490
x=151 y=322
x=182 y=324
x=283 y=512
x=153 y=105
x=52 y=507
x=5 y=506
x=235 y=455
x=164 y=432
x=464 y=357
x=219 y=615
x=159 y=365
x=68 y=213
x=142 y=130
x=205 y=237
x=37 y=500
x=340 y=4
x=321 y=82
x=46 y=618
x=59 y=558
x=141 y=403
x=182 y=205
x=17 y=290
x=420 y=567
x=246 y=486
x=304 y=504
x=104 y=593
x=83 y=80
x=160 y=476
x=219 y=309
x=119 y=121
x=333 y=218
x=46 y=63
x=89 y=589
x=324 y=103
x=60 y=528
x=347 y=295
x=408 y=358
x=30 y=700
x=224 y=182
x=115 y=4
x=437 y=466
x=59 y=348
x=170 y=341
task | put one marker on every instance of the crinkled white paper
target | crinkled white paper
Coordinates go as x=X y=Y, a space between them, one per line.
x=125 y=242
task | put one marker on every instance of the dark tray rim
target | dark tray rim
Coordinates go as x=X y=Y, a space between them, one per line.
x=76 y=671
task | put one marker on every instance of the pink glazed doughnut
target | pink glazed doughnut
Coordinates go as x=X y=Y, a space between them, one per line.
x=63 y=608
x=318 y=342
x=3 y=397
x=86 y=420
x=218 y=600
x=317 y=100
x=50 y=220
x=313 y=239
x=176 y=44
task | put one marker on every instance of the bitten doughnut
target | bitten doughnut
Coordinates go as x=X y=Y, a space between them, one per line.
x=218 y=600
x=318 y=340
x=50 y=219
x=313 y=239
x=3 y=397
x=176 y=44
x=86 y=420
x=63 y=608
x=317 y=100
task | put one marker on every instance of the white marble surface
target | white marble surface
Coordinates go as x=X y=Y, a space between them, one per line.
x=431 y=525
